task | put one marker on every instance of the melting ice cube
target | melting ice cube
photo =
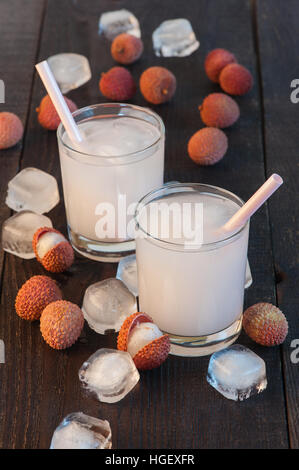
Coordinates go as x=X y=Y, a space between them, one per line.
x=107 y=304
x=33 y=190
x=127 y=273
x=110 y=374
x=175 y=38
x=80 y=431
x=18 y=231
x=70 y=70
x=116 y=22
x=237 y=372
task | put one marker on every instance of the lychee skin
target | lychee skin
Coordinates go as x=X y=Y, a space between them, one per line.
x=235 y=79
x=59 y=258
x=47 y=114
x=219 y=110
x=11 y=130
x=207 y=146
x=61 y=324
x=157 y=85
x=117 y=84
x=35 y=295
x=215 y=61
x=126 y=48
x=265 y=324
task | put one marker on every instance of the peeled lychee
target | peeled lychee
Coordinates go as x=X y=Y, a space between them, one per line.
x=207 y=146
x=117 y=84
x=61 y=324
x=35 y=295
x=157 y=85
x=219 y=110
x=52 y=250
x=265 y=324
x=140 y=337
x=47 y=114
x=11 y=130
x=235 y=79
x=215 y=61
x=126 y=48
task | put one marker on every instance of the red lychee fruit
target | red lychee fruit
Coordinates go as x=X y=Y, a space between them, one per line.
x=235 y=79
x=126 y=48
x=215 y=61
x=11 y=130
x=265 y=324
x=47 y=114
x=219 y=110
x=207 y=146
x=157 y=85
x=35 y=295
x=61 y=324
x=52 y=250
x=117 y=84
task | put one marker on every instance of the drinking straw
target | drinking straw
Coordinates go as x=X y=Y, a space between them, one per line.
x=253 y=204
x=58 y=100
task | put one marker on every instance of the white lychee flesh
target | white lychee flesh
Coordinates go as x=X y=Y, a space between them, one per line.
x=141 y=335
x=47 y=241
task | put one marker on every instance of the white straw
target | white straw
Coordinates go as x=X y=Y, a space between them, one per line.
x=253 y=204
x=58 y=100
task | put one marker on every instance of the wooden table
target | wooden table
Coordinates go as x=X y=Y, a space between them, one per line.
x=173 y=406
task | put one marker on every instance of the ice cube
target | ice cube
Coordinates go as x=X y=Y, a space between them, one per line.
x=248 y=276
x=174 y=38
x=110 y=374
x=116 y=22
x=237 y=372
x=70 y=70
x=33 y=190
x=127 y=273
x=80 y=431
x=18 y=231
x=107 y=304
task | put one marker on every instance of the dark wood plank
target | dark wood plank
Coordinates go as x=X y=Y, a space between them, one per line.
x=278 y=37
x=172 y=406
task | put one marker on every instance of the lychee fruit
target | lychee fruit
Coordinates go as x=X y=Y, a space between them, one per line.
x=52 y=250
x=35 y=295
x=61 y=324
x=219 y=110
x=126 y=48
x=157 y=85
x=140 y=337
x=265 y=324
x=215 y=61
x=235 y=79
x=11 y=130
x=47 y=114
x=117 y=84
x=207 y=146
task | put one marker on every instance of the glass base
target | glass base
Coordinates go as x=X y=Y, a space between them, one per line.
x=109 y=252
x=192 y=346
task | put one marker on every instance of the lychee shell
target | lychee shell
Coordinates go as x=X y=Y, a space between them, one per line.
x=235 y=79
x=47 y=114
x=219 y=110
x=126 y=48
x=207 y=146
x=57 y=259
x=11 y=130
x=215 y=61
x=265 y=324
x=117 y=84
x=157 y=85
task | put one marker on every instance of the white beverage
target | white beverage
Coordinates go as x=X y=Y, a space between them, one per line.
x=121 y=159
x=192 y=292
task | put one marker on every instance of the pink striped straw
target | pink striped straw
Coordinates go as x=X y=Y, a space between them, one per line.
x=253 y=204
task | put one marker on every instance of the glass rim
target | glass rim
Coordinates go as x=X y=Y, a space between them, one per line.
x=148 y=198
x=148 y=111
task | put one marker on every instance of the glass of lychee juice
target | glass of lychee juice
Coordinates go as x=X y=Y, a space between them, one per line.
x=191 y=277
x=120 y=159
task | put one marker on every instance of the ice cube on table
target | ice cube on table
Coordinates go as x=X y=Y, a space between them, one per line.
x=70 y=70
x=18 y=231
x=80 y=431
x=112 y=23
x=174 y=38
x=127 y=273
x=34 y=190
x=107 y=304
x=237 y=372
x=110 y=374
